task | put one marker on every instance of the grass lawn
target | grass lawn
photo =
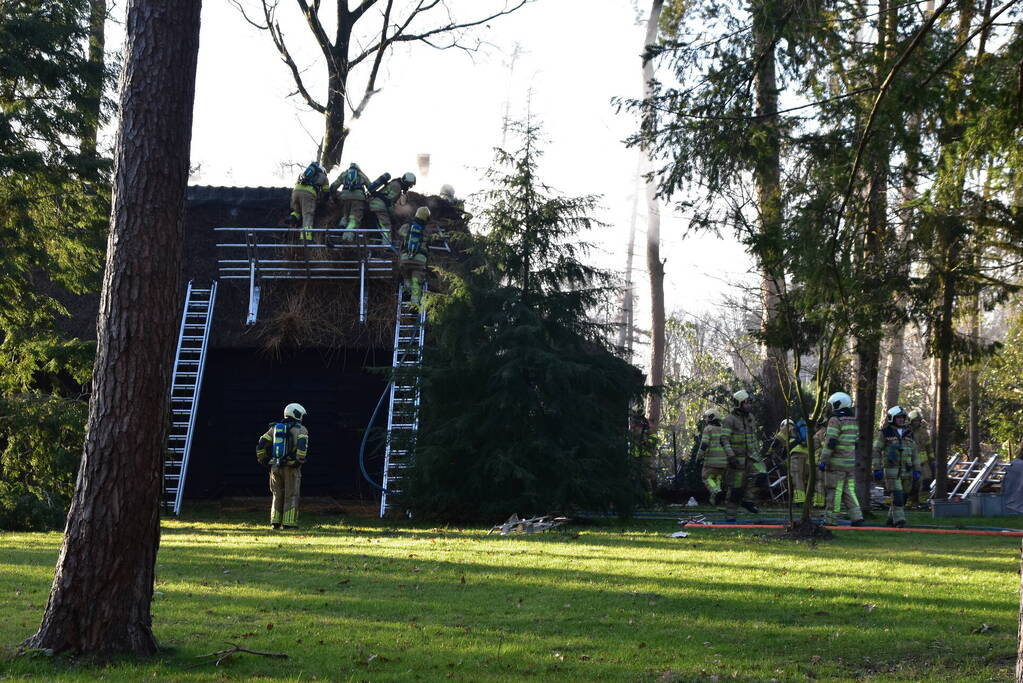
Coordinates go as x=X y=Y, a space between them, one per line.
x=357 y=599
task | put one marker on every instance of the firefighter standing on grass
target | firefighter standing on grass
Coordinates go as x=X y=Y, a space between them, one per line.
x=838 y=461
x=922 y=488
x=283 y=449
x=896 y=462
x=716 y=451
x=740 y=429
x=792 y=439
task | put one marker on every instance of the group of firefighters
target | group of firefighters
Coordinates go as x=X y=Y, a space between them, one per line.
x=357 y=194
x=730 y=449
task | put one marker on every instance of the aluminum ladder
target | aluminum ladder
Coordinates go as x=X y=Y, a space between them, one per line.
x=186 y=381
x=403 y=405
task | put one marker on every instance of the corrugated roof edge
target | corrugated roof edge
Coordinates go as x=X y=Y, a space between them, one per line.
x=242 y=197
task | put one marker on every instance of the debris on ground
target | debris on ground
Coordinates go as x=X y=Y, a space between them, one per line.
x=679 y=534
x=514 y=525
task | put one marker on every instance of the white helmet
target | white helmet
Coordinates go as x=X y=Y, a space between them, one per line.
x=740 y=397
x=711 y=414
x=893 y=413
x=785 y=424
x=447 y=192
x=839 y=400
x=409 y=178
x=915 y=415
x=294 y=411
x=423 y=213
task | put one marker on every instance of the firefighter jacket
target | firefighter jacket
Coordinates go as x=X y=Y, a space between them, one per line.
x=922 y=437
x=741 y=431
x=391 y=192
x=297 y=444
x=715 y=447
x=838 y=452
x=352 y=183
x=895 y=450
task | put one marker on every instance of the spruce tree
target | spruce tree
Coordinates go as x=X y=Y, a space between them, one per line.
x=524 y=403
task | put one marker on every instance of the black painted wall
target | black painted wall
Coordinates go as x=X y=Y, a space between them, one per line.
x=245 y=389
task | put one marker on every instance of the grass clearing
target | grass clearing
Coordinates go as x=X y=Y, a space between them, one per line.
x=359 y=599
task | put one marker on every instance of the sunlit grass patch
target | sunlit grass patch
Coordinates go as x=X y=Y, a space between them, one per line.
x=364 y=600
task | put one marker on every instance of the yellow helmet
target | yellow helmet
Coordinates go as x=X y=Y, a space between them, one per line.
x=423 y=213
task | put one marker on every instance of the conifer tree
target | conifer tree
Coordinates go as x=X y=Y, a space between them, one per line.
x=524 y=405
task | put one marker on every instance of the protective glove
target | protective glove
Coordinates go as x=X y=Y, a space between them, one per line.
x=822 y=466
x=878 y=475
x=916 y=476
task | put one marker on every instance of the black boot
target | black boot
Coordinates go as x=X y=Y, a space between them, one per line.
x=856 y=522
x=749 y=506
x=719 y=497
x=275 y=526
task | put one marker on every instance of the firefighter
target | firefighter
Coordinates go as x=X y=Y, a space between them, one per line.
x=384 y=194
x=792 y=438
x=838 y=461
x=922 y=438
x=353 y=184
x=740 y=429
x=311 y=182
x=415 y=254
x=896 y=462
x=283 y=449
x=716 y=451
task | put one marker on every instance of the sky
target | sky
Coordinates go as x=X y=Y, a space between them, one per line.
x=574 y=57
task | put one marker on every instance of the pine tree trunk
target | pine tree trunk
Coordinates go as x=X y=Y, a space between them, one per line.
x=625 y=331
x=893 y=373
x=94 y=84
x=943 y=405
x=767 y=181
x=973 y=381
x=655 y=267
x=103 y=586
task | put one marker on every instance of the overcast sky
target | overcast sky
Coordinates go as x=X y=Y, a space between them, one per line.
x=576 y=55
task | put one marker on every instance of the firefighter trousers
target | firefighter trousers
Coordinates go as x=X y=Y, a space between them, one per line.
x=285 y=485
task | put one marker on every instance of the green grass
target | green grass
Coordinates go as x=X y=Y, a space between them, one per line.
x=356 y=599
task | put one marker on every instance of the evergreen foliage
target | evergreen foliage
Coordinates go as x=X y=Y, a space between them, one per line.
x=54 y=205
x=524 y=404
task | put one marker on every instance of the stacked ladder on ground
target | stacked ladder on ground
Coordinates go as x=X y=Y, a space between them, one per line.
x=186 y=382
x=968 y=477
x=403 y=407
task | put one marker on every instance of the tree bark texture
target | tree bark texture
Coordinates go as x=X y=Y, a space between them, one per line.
x=655 y=267
x=767 y=182
x=868 y=355
x=893 y=372
x=626 y=332
x=943 y=405
x=103 y=585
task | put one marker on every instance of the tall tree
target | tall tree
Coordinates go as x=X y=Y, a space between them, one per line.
x=654 y=265
x=103 y=585
x=54 y=207
x=524 y=401
x=355 y=45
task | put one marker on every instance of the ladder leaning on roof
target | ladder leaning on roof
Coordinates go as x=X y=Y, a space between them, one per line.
x=186 y=381
x=403 y=406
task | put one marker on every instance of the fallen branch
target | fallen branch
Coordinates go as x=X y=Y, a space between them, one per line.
x=224 y=654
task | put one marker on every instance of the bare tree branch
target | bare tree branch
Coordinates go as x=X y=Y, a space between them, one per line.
x=278 y=37
x=371 y=83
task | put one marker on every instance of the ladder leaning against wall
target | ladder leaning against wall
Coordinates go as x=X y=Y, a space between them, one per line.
x=186 y=382
x=403 y=406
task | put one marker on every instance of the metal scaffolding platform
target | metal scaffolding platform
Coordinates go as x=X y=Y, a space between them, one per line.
x=257 y=254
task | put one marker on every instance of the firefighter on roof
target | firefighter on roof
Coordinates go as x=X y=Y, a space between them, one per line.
x=353 y=184
x=311 y=182
x=384 y=194
x=283 y=450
